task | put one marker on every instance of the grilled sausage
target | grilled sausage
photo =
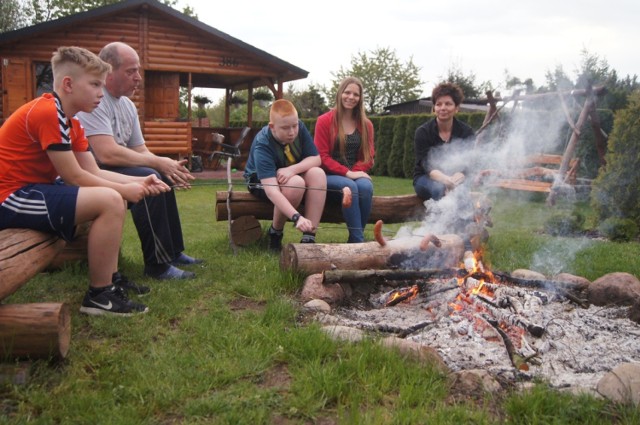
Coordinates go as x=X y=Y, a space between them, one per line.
x=377 y=233
x=346 y=197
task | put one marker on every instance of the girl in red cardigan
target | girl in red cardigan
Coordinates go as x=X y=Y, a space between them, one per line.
x=344 y=139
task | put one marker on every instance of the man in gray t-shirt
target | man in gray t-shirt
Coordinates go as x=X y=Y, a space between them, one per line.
x=113 y=130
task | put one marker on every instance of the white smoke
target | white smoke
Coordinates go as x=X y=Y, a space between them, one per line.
x=540 y=128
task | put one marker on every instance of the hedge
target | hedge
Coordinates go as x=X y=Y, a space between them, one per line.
x=394 y=134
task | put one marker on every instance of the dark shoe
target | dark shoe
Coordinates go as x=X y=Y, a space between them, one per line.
x=123 y=282
x=308 y=239
x=171 y=272
x=275 y=241
x=185 y=260
x=112 y=301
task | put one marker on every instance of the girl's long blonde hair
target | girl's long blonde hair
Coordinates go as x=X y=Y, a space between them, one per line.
x=337 y=132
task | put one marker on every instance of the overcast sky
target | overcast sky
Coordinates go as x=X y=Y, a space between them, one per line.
x=485 y=38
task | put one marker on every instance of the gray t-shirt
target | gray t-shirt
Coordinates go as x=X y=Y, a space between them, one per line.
x=115 y=117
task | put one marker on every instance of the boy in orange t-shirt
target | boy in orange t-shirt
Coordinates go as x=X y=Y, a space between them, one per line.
x=42 y=141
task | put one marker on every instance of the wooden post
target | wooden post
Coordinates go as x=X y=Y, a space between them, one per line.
x=40 y=330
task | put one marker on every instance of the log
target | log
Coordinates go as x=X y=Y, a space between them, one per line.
x=315 y=258
x=390 y=209
x=23 y=254
x=36 y=331
x=381 y=277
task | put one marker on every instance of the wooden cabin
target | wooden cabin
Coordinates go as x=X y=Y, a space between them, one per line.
x=176 y=51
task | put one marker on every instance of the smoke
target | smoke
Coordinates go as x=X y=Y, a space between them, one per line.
x=536 y=127
x=556 y=255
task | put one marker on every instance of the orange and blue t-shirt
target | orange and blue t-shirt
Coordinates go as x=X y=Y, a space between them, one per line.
x=26 y=136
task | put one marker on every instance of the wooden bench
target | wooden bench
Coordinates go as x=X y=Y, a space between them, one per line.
x=35 y=330
x=390 y=209
x=171 y=138
x=540 y=174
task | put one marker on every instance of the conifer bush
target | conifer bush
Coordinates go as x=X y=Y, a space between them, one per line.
x=616 y=190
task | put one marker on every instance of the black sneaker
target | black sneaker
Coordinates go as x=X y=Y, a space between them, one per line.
x=308 y=239
x=112 y=300
x=123 y=282
x=275 y=240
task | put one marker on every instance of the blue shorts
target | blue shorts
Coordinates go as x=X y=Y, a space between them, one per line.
x=49 y=208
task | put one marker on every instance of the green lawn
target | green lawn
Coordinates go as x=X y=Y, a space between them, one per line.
x=231 y=347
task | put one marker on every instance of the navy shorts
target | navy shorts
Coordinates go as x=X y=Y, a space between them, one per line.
x=49 y=208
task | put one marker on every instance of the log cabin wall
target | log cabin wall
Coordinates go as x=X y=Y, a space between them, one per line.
x=162 y=46
x=88 y=35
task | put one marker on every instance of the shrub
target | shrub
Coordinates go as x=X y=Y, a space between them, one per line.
x=394 y=161
x=619 y=229
x=616 y=190
x=563 y=224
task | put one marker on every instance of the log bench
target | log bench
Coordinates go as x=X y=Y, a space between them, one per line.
x=390 y=209
x=34 y=330
x=543 y=166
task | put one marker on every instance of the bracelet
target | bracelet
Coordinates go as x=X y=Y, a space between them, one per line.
x=295 y=217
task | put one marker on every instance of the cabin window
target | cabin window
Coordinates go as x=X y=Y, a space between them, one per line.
x=44 y=78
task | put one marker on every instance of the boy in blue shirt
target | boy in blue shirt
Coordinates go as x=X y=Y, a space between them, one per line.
x=284 y=167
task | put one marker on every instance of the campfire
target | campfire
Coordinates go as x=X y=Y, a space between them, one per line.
x=516 y=328
x=436 y=291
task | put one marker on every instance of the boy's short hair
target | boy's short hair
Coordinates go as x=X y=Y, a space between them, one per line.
x=281 y=108
x=72 y=60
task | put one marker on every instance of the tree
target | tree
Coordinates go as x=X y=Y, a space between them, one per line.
x=467 y=83
x=31 y=12
x=309 y=102
x=615 y=192
x=11 y=15
x=386 y=80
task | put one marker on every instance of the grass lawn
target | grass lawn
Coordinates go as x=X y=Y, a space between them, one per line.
x=229 y=347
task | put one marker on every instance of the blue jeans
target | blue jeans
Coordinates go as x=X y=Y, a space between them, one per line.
x=357 y=215
x=427 y=188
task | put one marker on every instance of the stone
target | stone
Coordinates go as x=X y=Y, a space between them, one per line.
x=344 y=333
x=614 y=288
x=527 y=274
x=577 y=283
x=622 y=384
x=416 y=351
x=473 y=381
x=320 y=306
x=314 y=289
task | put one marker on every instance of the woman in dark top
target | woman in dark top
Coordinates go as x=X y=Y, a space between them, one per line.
x=433 y=142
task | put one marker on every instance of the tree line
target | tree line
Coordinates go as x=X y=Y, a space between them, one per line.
x=387 y=78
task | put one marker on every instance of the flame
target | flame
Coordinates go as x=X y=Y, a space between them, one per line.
x=403 y=295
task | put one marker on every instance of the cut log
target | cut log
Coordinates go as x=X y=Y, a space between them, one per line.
x=23 y=254
x=314 y=258
x=390 y=209
x=36 y=331
x=245 y=230
x=380 y=277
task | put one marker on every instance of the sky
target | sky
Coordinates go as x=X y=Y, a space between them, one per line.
x=485 y=38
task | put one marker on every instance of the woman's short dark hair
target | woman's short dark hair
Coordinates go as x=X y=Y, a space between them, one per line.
x=448 y=89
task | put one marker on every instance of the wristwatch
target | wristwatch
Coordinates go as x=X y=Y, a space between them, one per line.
x=295 y=217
